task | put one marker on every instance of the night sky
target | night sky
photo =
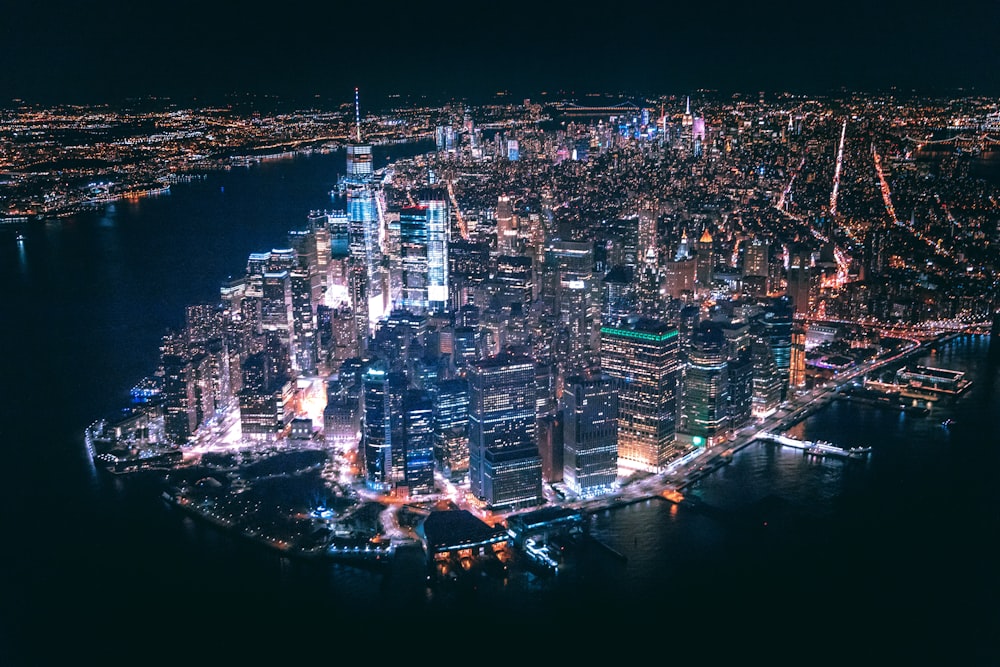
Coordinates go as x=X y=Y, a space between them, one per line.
x=66 y=51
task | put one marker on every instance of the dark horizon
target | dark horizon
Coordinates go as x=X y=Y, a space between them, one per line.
x=73 y=53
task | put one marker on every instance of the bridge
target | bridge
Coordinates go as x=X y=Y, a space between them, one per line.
x=972 y=142
x=816 y=448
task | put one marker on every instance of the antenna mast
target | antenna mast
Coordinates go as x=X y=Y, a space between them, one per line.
x=357 y=114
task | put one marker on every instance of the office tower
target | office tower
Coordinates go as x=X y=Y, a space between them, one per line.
x=364 y=246
x=451 y=426
x=647 y=227
x=418 y=442
x=766 y=378
x=341 y=416
x=617 y=299
x=776 y=323
x=590 y=433
x=178 y=396
x=704 y=262
x=756 y=257
x=267 y=398
x=571 y=293
x=438 y=234
x=704 y=396
x=506 y=227
x=423 y=251
x=505 y=469
x=468 y=267
x=305 y=345
x=797 y=357
x=276 y=304
x=740 y=366
x=679 y=278
x=642 y=354
x=512 y=282
x=340 y=245
x=382 y=432
x=803 y=280
x=359 y=154
x=623 y=237
x=648 y=297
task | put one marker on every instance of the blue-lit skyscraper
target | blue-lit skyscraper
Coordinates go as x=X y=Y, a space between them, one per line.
x=418 y=434
x=423 y=248
x=382 y=427
x=590 y=433
x=505 y=468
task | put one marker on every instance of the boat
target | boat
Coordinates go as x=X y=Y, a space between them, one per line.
x=947 y=422
x=20 y=237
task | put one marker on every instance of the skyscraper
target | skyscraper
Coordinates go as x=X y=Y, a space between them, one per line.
x=418 y=441
x=505 y=469
x=423 y=249
x=590 y=433
x=704 y=402
x=776 y=327
x=642 y=354
x=382 y=427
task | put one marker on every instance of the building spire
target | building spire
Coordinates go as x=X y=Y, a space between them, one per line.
x=357 y=114
x=687 y=109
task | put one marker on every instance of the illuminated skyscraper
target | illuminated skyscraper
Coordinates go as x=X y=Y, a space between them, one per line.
x=382 y=432
x=704 y=395
x=590 y=433
x=797 y=359
x=451 y=425
x=418 y=441
x=505 y=468
x=642 y=354
x=571 y=292
x=506 y=227
x=776 y=328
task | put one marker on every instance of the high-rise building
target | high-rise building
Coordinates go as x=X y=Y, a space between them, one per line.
x=423 y=250
x=418 y=441
x=704 y=261
x=642 y=354
x=506 y=227
x=505 y=469
x=451 y=425
x=704 y=396
x=776 y=327
x=590 y=433
x=766 y=378
x=740 y=366
x=756 y=255
x=571 y=293
x=382 y=432
x=803 y=280
x=797 y=358
x=618 y=299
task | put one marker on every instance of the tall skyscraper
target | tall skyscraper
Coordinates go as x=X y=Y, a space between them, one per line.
x=704 y=402
x=776 y=327
x=505 y=469
x=506 y=227
x=423 y=250
x=451 y=425
x=590 y=433
x=418 y=441
x=642 y=354
x=571 y=292
x=382 y=432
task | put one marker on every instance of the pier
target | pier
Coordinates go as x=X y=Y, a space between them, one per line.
x=817 y=448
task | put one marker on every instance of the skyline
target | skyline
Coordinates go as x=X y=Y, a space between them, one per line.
x=69 y=53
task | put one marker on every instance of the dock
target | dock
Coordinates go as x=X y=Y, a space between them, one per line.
x=815 y=448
